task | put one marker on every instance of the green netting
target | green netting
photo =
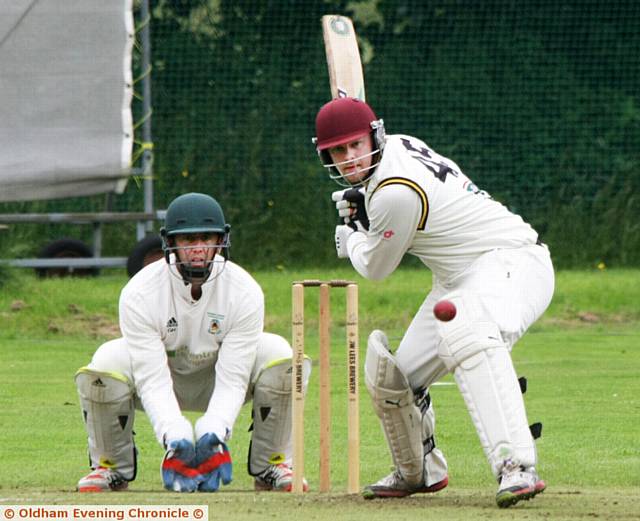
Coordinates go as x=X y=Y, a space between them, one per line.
x=537 y=101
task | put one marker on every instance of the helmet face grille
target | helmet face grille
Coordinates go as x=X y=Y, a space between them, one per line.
x=195 y=213
x=202 y=274
x=343 y=120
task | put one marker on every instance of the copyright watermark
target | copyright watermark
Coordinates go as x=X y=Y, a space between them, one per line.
x=107 y=512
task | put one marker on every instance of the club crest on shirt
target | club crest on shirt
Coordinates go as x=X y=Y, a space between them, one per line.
x=215 y=322
x=214 y=326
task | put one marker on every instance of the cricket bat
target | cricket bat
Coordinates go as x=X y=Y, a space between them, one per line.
x=343 y=57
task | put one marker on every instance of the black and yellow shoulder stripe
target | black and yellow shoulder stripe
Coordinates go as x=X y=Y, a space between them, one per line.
x=416 y=188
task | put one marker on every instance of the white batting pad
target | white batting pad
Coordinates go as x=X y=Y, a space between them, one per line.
x=393 y=401
x=108 y=410
x=473 y=349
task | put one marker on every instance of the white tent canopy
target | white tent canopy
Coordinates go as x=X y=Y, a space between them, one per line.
x=65 y=97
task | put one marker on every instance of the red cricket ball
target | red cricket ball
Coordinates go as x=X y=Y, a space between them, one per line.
x=444 y=310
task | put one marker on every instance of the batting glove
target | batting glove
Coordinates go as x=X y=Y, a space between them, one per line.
x=178 y=472
x=343 y=232
x=214 y=463
x=350 y=207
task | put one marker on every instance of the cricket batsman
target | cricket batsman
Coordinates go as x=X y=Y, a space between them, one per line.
x=192 y=340
x=403 y=197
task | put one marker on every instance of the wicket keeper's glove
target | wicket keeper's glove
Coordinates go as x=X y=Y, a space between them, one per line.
x=178 y=472
x=213 y=461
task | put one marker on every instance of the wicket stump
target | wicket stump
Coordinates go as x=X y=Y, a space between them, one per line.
x=353 y=416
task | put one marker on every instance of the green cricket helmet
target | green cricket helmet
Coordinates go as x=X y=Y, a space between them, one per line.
x=194 y=213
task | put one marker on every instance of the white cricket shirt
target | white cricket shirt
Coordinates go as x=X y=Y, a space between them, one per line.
x=421 y=203
x=166 y=332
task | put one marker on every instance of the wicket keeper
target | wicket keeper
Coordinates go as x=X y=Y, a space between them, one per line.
x=192 y=340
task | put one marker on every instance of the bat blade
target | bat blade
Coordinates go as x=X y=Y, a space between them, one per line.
x=343 y=57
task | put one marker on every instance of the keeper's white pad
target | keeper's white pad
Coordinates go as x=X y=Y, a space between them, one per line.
x=472 y=347
x=394 y=403
x=108 y=410
x=271 y=439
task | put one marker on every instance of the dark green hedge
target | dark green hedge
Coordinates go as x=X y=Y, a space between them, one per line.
x=536 y=101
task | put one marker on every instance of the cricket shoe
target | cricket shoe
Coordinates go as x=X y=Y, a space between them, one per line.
x=278 y=478
x=102 y=480
x=394 y=485
x=517 y=484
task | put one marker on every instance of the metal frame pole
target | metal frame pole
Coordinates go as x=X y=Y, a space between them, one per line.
x=147 y=155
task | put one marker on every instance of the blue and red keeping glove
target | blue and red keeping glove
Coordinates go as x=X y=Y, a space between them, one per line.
x=213 y=462
x=185 y=469
x=178 y=472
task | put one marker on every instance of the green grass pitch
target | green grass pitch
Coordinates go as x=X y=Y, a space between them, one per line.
x=582 y=362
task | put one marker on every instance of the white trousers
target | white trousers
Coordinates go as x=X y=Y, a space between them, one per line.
x=271 y=436
x=515 y=287
x=193 y=391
